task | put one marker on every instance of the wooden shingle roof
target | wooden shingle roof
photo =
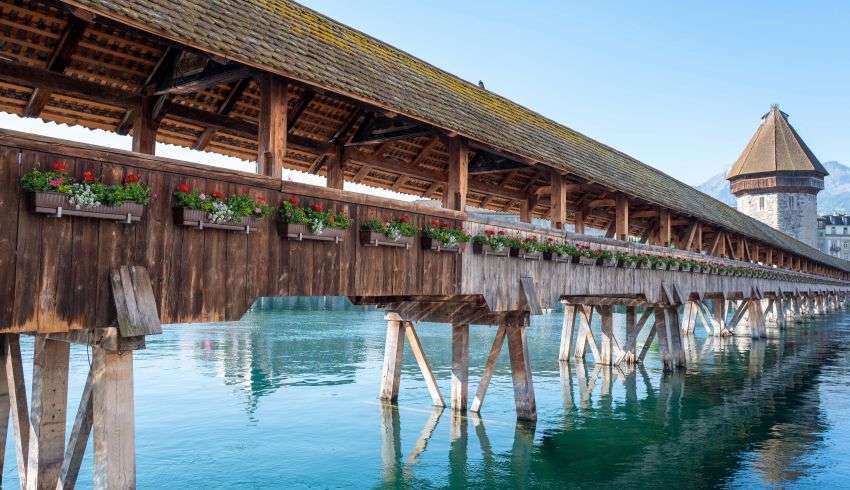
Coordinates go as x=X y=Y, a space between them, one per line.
x=776 y=147
x=291 y=40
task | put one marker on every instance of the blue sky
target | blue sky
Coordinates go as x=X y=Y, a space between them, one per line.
x=681 y=87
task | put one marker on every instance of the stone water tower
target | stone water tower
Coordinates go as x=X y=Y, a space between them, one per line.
x=777 y=179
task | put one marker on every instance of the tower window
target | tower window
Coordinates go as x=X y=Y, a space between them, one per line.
x=761 y=203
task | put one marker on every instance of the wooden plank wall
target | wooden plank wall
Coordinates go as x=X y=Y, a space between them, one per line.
x=54 y=272
x=498 y=279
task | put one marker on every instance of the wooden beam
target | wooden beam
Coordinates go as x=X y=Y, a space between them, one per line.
x=78 y=440
x=558 y=210
x=460 y=366
x=272 y=125
x=424 y=366
x=579 y=221
x=28 y=76
x=621 y=230
x=393 y=353
x=717 y=245
x=730 y=245
x=526 y=407
x=489 y=368
x=224 y=109
x=113 y=419
x=424 y=152
x=306 y=97
x=144 y=128
x=689 y=237
x=17 y=401
x=49 y=406
x=457 y=184
x=484 y=163
x=526 y=209
x=645 y=213
x=602 y=203
x=336 y=169
x=207 y=78
x=59 y=59
x=665 y=228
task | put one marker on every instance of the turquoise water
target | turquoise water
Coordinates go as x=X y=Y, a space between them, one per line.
x=286 y=398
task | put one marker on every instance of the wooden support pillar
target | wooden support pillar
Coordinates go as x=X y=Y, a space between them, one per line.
x=393 y=352
x=558 y=210
x=271 y=141
x=454 y=196
x=489 y=367
x=567 y=332
x=144 y=127
x=690 y=320
x=719 y=315
x=18 y=411
x=663 y=342
x=674 y=336
x=48 y=412
x=460 y=367
x=756 y=318
x=336 y=169
x=424 y=366
x=621 y=227
x=665 y=228
x=79 y=438
x=606 y=350
x=579 y=226
x=632 y=329
x=585 y=335
x=526 y=407
x=113 y=419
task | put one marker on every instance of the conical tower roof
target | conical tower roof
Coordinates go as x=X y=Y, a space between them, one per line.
x=776 y=147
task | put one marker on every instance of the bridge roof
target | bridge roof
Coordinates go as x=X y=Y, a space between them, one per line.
x=286 y=38
x=776 y=147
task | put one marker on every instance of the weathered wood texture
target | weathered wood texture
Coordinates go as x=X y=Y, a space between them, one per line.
x=56 y=272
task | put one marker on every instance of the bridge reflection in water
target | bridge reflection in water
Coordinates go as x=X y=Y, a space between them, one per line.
x=743 y=403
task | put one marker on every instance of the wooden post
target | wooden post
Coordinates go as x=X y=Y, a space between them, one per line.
x=17 y=401
x=526 y=407
x=489 y=367
x=5 y=412
x=558 y=210
x=631 y=335
x=113 y=419
x=674 y=336
x=567 y=332
x=393 y=352
x=720 y=309
x=665 y=228
x=79 y=438
x=454 y=196
x=460 y=366
x=336 y=169
x=271 y=141
x=691 y=311
x=621 y=228
x=579 y=226
x=585 y=334
x=663 y=339
x=144 y=128
x=49 y=407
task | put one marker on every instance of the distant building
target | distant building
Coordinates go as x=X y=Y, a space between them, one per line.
x=777 y=178
x=834 y=235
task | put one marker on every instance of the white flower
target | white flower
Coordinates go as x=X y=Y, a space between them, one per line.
x=82 y=196
x=221 y=214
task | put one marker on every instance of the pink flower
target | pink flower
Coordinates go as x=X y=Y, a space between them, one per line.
x=258 y=211
x=56 y=182
x=202 y=196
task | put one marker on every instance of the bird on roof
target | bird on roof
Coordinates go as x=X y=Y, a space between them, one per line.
x=481 y=84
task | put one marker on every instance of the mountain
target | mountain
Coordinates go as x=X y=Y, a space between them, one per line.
x=836 y=193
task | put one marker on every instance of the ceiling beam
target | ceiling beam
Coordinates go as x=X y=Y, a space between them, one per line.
x=162 y=72
x=299 y=108
x=210 y=77
x=224 y=109
x=484 y=163
x=60 y=58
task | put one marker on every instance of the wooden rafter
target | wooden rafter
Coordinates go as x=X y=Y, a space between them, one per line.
x=224 y=109
x=209 y=77
x=162 y=71
x=60 y=58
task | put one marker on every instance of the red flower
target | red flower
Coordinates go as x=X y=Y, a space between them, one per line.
x=58 y=166
x=489 y=232
x=444 y=225
x=294 y=201
x=435 y=223
x=261 y=199
x=317 y=207
x=404 y=219
x=89 y=177
x=131 y=179
x=184 y=188
x=501 y=232
x=550 y=239
x=217 y=194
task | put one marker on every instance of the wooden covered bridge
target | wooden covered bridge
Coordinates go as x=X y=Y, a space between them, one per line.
x=276 y=83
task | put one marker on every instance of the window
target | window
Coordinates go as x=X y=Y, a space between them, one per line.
x=761 y=203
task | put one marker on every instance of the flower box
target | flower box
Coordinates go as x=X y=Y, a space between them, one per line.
x=685 y=267
x=58 y=205
x=369 y=238
x=301 y=232
x=609 y=262
x=482 y=249
x=438 y=246
x=661 y=266
x=200 y=220
x=525 y=254
x=627 y=265
x=645 y=265
x=586 y=260
x=673 y=267
x=554 y=257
